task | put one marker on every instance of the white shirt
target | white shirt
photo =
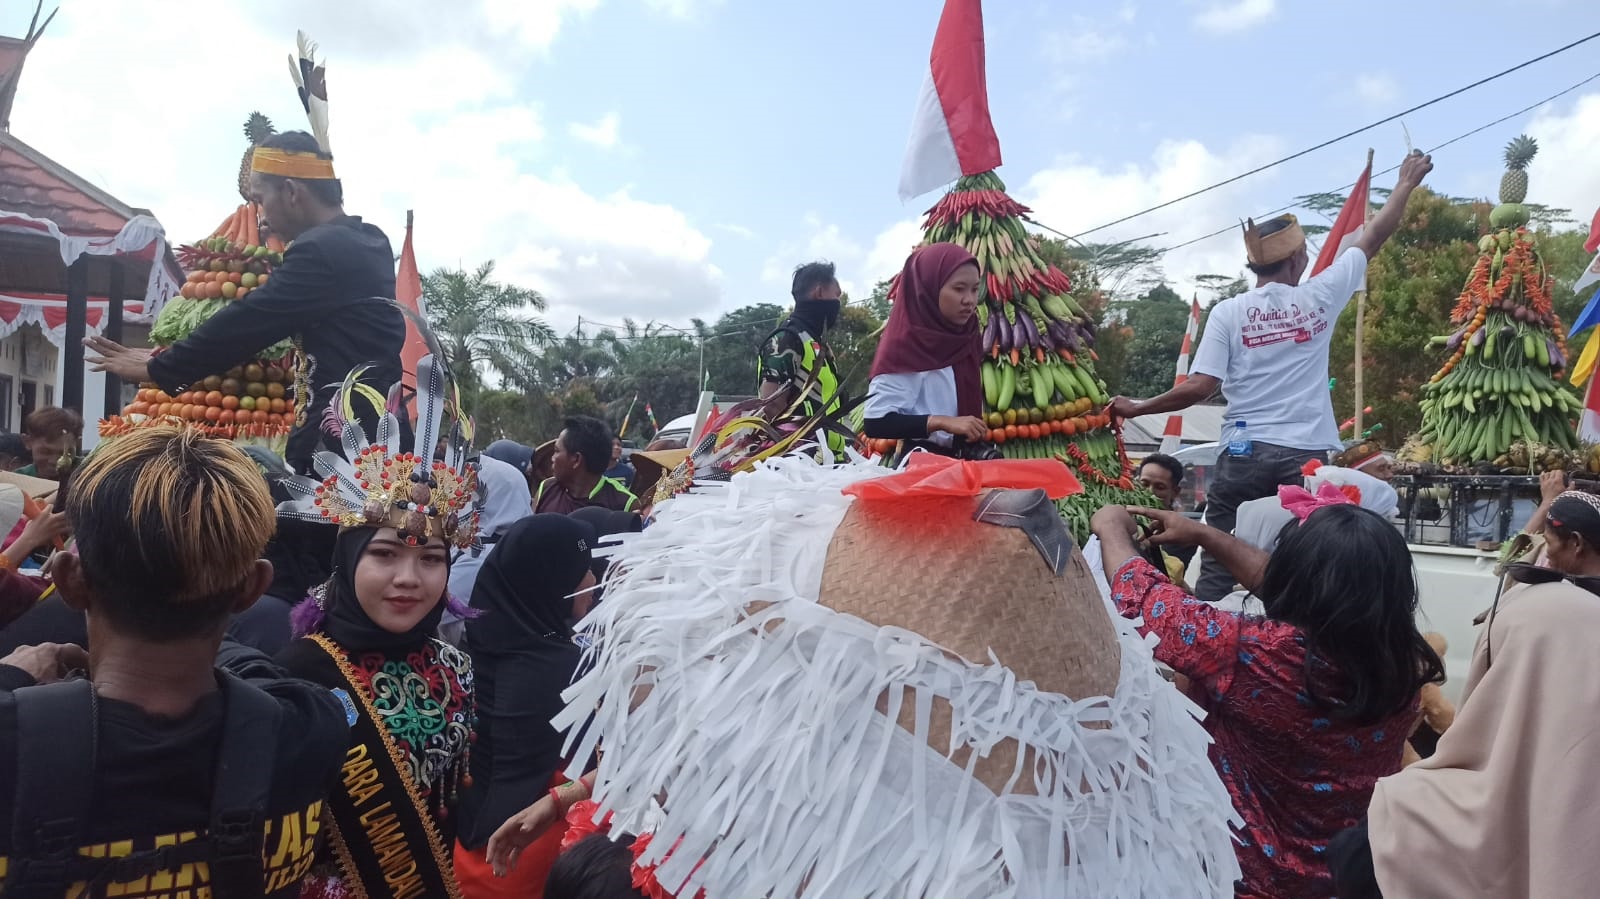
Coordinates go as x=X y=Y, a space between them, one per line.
x=1269 y=348
x=914 y=393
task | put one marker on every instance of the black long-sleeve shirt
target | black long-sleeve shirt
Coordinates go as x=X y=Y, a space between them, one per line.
x=335 y=291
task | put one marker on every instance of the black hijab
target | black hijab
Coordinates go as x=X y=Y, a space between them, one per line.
x=523 y=656
x=345 y=620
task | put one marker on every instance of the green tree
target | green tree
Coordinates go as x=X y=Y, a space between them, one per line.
x=733 y=345
x=1157 y=319
x=655 y=365
x=483 y=325
x=1412 y=286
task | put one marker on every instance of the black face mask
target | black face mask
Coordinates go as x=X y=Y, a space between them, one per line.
x=818 y=314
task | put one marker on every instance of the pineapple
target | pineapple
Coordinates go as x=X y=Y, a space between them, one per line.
x=257 y=129
x=1514 y=184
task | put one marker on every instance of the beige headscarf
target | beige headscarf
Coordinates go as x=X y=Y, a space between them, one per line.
x=1504 y=806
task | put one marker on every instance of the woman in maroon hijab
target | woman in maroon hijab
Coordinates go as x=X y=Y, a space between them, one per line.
x=925 y=378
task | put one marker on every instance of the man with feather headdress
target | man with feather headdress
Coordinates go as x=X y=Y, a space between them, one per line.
x=333 y=294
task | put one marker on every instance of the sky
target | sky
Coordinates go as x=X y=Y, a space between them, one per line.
x=671 y=159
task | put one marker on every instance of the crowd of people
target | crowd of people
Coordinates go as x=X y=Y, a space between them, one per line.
x=351 y=672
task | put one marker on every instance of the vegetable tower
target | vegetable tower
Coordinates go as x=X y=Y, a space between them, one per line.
x=1042 y=398
x=1497 y=397
x=254 y=401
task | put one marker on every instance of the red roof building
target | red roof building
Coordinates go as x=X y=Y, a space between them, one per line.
x=73 y=259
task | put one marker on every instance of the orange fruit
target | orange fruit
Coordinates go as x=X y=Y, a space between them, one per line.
x=187 y=290
x=139 y=409
x=214 y=398
x=261 y=416
x=241 y=292
x=214 y=291
x=274 y=389
x=1011 y=432
x=278 y=404
x=224 y=417
x=213 y=413
x=230 y=402
x=235 y=278
x=229 y=290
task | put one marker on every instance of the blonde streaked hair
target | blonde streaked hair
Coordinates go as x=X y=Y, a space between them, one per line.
x=169 y=520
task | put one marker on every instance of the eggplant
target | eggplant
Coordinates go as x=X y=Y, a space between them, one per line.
x=1478 y=337
x=1007 y=337
x=1047 y=339
x=1558 y=360
x=991 y=332
x=1454 y=343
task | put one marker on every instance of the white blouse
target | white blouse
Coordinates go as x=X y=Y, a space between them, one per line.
x=914 y=393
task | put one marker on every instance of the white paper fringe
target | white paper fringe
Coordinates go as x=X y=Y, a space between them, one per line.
x=761 y=737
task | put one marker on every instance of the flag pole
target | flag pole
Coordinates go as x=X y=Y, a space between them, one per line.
x=1361 y=325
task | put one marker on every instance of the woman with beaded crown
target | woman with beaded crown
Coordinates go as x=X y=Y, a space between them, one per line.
x=371 y=632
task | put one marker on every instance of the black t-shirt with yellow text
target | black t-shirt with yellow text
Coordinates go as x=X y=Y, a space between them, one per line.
x=154 y=778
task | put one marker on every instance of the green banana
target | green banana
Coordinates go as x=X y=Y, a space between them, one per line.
x=1007 y=387
x=991 y=385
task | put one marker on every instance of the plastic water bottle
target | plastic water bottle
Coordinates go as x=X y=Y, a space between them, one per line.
x=1239 y=440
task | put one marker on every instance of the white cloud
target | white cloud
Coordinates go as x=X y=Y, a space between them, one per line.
x=1234 y=15
x=1081 y=44
x=1377 y=89
x=468 y=155
x=603 y=133
x=1074 y=195
x=735 y=230
x=1563 y=174
x=535 y=23
x=890 y=249
x=827 y=243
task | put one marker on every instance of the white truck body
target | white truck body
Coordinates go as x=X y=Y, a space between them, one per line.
x=1454 y=586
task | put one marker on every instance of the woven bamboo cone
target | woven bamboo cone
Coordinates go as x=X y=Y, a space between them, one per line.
x=926 y=566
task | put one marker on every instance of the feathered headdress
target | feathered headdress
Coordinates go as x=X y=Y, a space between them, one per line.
x=755 y=430
x=426 y=490
x=311 y=79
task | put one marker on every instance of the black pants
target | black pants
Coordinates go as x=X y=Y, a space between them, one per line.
x=1240 y=479
x=1350 y=863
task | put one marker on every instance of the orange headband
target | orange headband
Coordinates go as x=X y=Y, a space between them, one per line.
x=289 y=164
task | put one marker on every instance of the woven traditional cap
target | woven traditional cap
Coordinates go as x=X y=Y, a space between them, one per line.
x=978 y=591
x=542 y=454
x=649 y=466
x=802 y=694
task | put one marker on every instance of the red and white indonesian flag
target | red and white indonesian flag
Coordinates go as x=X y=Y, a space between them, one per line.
x=951 y=135
x=1172 y=438
x=1347 y=227
x=1591 y=275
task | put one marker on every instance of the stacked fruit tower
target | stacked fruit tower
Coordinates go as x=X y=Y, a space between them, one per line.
x=1042 y=398
x=253 y=402
x=1498 y=399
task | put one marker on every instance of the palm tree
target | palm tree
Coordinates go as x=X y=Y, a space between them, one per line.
x=482 y=323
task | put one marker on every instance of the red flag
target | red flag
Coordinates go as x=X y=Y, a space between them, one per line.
x=1592 y=245
x=1347 y=228
x=951 y=134
x=408 y=293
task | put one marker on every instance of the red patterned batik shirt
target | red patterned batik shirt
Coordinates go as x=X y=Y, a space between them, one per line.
x=1297 y=775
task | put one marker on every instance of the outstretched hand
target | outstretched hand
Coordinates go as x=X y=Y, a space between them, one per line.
x=518 y=833
x=127 y=363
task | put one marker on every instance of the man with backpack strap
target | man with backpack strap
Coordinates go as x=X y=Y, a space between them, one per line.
x=159 y=775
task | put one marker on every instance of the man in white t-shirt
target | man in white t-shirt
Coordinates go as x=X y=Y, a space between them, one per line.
x=1267 y=349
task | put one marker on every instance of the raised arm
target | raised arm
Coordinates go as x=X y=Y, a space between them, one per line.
x=1383 y=225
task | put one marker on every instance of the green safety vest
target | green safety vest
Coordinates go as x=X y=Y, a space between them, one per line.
x=813 y=359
